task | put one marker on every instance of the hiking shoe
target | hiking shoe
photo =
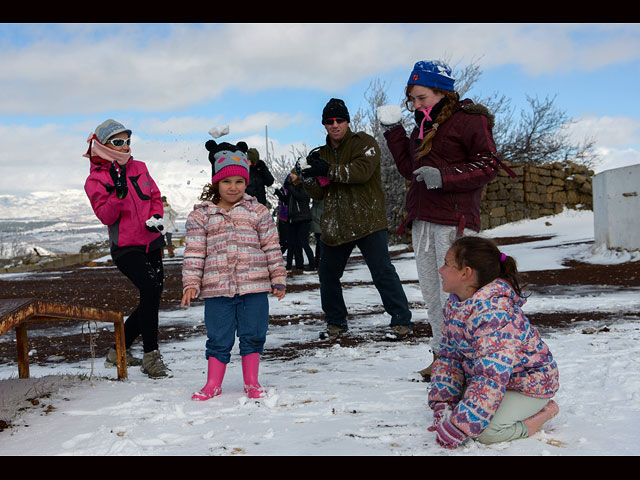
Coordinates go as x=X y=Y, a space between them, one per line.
x=112 y=359
x=153 y=365
x=426 y=372
x=332 y=332
x=399 y=332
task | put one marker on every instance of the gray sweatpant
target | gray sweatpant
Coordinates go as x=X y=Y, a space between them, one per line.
x=430 y=244
x=508 y=422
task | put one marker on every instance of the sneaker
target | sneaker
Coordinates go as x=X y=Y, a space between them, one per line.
x=332 y=332
x=112 y=359
x=153 y=365
x=399 y=332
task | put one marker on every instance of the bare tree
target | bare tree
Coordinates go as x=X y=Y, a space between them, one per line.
x=542 y=136
x=280 y=167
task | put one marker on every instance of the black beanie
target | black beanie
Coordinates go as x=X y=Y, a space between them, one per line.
x=335 y=108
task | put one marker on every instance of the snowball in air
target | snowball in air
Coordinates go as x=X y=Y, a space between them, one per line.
x=217 y=132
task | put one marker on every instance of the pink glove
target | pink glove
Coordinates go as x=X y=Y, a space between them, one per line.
x=448 y=435
x=323 y=181
x=440 y=411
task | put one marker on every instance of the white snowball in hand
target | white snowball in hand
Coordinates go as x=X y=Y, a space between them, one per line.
x=389 y=114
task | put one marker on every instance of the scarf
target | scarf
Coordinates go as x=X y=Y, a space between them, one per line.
x=99 y=150
x=424 y=117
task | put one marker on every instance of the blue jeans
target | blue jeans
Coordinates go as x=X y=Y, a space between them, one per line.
x=248 y=315
x=375 y=250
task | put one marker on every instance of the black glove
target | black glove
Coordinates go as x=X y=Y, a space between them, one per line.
x=119 y=181
x=155 y=224
x=280 y=194
x=319 y=166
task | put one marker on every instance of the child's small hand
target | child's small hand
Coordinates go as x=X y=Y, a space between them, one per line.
x=189 y=294
x=279 y=292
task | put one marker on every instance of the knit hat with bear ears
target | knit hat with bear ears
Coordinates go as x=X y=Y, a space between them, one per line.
x=228 y=160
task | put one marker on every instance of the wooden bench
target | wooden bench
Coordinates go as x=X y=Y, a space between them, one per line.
x=18 y=312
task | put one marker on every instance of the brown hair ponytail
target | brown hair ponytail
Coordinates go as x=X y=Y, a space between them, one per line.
x=483 y=256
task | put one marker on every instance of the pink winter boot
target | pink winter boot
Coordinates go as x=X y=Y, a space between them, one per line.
x=250 y=364
x=214 y=381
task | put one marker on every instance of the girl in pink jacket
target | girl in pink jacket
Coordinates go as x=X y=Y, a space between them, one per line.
x=233 y=260
x=494 y=376
x=126 y=199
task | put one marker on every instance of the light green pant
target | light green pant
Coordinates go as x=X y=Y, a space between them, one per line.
x=507 y=423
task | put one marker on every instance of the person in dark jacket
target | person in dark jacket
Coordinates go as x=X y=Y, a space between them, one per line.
x=449 y=157
x=345 y=173
x=299 y=219
x=259 y=177
x=282 y=211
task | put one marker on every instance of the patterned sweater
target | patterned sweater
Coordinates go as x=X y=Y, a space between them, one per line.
x=488 y=346
x=232 y=253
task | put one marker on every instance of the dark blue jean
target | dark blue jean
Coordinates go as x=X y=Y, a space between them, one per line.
x=375 y=250
x=248 y=315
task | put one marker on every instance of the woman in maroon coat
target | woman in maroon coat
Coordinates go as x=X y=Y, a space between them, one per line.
x=449 y=157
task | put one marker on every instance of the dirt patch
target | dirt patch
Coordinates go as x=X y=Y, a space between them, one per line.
x=107 y=288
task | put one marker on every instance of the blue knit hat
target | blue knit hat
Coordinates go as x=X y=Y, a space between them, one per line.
x=432 y=74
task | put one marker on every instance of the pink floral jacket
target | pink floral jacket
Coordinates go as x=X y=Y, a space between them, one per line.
x=232 y=252
x=488 y=347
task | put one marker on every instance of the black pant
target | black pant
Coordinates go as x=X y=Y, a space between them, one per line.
x=283 y=234
x=318 y=248
x=299 y=241
x=375 y=250
x=146 y=272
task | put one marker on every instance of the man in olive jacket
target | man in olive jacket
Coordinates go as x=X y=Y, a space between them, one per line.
x=345 y=174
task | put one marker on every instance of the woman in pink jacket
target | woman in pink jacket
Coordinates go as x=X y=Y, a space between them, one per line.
x=233 y=260
x=126 y=199
x=494 y=376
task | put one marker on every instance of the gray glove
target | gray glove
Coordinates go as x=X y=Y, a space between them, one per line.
x=430 y=176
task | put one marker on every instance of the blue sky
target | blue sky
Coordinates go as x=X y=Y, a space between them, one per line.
x=171 y=83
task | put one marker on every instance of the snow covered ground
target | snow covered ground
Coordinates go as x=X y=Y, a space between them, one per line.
x=364 y=400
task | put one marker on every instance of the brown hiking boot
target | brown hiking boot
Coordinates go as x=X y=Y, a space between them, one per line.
x=153 y=365
x=426 y=372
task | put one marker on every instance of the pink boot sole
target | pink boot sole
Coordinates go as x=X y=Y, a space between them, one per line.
x=215 y=375
x=250 y=366
x=254 y=391
x=203 y=396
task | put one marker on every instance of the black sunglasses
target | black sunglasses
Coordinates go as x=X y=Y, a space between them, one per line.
x=329 y=121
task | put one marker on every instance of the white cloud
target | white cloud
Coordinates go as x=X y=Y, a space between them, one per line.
x=607 y=131
x=131 y=67
x=49 y=158
x=616 y=158
x=617 y=139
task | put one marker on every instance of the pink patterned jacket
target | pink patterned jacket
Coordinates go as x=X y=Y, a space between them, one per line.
x=488 y=347
x=232 y=253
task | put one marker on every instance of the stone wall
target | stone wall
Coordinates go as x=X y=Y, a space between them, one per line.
x=537 y=191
